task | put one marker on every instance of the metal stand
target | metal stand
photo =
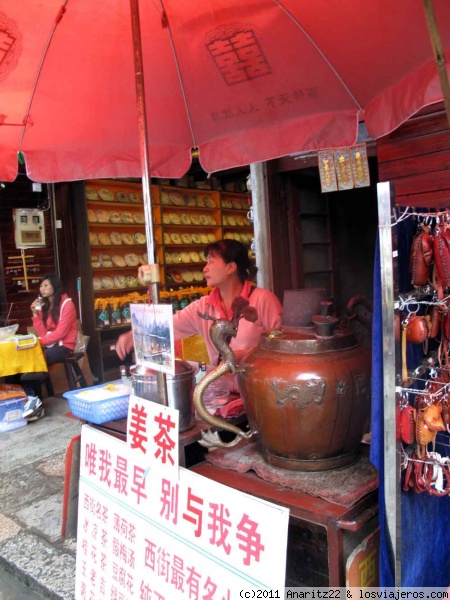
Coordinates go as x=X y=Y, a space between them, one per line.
x=392 y=449
x=153 y=287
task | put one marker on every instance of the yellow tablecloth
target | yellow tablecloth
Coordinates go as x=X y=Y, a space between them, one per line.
x=26 y=360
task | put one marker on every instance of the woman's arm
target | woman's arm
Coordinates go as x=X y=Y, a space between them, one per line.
x=124 y=344
x=268 y=307
x=38 y=324
x=185 y=322
x=36 y=318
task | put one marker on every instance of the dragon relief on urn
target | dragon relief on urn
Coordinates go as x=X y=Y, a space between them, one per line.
x=303 y=394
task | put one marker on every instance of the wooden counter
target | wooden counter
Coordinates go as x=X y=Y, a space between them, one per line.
x=321 y=534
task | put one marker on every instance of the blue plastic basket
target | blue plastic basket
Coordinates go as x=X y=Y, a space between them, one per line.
x=98 y=411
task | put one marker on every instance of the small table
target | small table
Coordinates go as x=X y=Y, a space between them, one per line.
x=25 y=360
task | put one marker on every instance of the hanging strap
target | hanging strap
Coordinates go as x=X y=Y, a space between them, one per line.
x=62 y=306
x=436 y=282
x=60 y=343
x=404 y=365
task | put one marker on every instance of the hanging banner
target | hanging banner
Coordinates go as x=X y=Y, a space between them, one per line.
x=343 y=166
x=327 y=171
x=145 y=536
x=152 y=326
x=360 y=166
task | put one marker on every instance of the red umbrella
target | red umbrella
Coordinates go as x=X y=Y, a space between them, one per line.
x=241 y=80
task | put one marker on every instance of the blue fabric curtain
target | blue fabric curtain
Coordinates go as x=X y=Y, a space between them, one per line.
x=377 y=428
x=425 y=519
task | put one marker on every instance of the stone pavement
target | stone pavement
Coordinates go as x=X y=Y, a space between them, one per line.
x=31 y=501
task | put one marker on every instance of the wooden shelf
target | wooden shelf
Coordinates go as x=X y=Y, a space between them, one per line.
x=318 y=271
x=318 y=243
x=114 y=226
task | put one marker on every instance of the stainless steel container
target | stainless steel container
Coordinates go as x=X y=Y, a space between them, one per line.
x=180 y=388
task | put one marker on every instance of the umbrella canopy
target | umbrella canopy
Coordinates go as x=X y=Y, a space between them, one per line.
x=241 y=80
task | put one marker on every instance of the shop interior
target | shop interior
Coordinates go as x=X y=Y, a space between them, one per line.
x=316 y=241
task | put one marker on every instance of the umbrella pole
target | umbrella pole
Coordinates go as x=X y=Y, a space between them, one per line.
x=438 y=53
x=152 y=274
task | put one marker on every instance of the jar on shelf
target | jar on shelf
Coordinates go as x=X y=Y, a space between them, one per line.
x=125 y=311
x=115 y=312
x=184 y=301
x=102 y=313
x=173 y=300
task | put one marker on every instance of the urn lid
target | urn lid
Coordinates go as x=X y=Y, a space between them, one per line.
x=304 y=341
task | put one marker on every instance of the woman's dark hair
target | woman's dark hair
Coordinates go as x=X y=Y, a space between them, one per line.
x=55 y=282
x=234 y=251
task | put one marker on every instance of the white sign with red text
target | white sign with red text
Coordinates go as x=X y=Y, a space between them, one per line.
x=152 y=432
x=149 y=537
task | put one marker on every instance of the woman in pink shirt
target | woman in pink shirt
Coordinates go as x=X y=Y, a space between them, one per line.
x=229 y=271
x=54 y=319
x=55 y=322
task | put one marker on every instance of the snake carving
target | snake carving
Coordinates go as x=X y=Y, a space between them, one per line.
x=221 y=332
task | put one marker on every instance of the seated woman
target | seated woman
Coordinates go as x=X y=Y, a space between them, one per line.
x=55 y=322
x=229 y=271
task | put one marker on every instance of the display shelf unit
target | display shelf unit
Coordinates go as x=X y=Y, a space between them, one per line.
x=235 y=219
x=111 y=230
x=190 y=220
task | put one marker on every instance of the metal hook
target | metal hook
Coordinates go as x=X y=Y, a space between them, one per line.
x=404 y=399
x=408 y=307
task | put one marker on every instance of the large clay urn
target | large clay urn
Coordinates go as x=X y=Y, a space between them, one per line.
x=307 y=394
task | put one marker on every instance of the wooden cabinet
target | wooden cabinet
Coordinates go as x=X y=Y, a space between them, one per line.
x=112 y=245
x=110 y=230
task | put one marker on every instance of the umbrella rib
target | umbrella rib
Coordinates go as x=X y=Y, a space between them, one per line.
x=26 y=120
x=306 y=34
x=166 y=24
